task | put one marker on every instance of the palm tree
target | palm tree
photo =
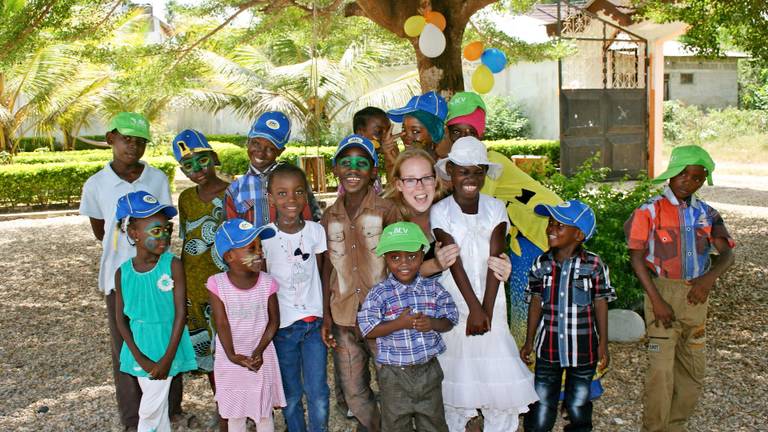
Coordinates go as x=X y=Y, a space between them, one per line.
x=308 y=85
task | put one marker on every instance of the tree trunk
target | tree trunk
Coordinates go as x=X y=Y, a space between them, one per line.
x=443 y=73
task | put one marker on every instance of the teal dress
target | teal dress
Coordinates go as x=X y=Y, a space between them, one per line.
x=148 y=303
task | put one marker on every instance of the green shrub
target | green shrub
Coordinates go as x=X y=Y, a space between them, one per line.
x=56 y=182
x=548 y=148
x=613 y=204
x=505 y=120
x=687 y=124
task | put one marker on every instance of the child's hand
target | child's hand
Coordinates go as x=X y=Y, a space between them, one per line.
x=478 y=322
x=663 y=313
x=160 y=371
x=700 y=288
x=422 y=323
x=257 y=361
x=447 y=255
x=146 y=364
x=327 y=334
x=242 y=360
x=603 y=356
x=501 y=267
x=389 y=143
x=405 y=320
x=525 y=353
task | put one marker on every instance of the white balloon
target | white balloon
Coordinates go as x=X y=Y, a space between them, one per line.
x=431 y=41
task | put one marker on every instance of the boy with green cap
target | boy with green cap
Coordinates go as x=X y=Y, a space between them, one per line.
x=406 y=313
x=670 y=238
x=127 y=134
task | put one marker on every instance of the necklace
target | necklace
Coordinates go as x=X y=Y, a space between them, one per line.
x=299 y=274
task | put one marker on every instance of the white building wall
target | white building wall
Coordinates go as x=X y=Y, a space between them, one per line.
x=715 y=82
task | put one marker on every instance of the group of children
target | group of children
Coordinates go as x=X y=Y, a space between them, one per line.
x=267 y=283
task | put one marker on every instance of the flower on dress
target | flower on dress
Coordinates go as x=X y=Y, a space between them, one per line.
x=165 y=283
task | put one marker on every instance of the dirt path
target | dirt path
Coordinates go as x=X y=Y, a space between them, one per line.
x=54 y=353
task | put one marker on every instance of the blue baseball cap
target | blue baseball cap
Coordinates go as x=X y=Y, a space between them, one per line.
x=273 y=126
x=430 y=102
x=236 y=233
x=142 y=204
x=574 y=213
x=355 y=140
x=187 y=142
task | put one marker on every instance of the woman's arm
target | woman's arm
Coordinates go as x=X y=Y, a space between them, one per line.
x=273 y=311
x=125 y=330
x=179 y=319
x=478 y=321
x=491 y=282
x=444 y=258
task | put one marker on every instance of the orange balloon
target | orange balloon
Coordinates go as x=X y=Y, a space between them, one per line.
x=473 y=51
x=435 y=18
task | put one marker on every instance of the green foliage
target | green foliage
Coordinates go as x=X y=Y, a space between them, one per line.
x=716 y=24
x=613 y=204
x=505 y=120
x=509 y=148
x=685 y=125
x=753 y=82
x=49 y=183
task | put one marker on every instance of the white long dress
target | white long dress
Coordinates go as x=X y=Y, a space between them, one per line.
x=481 y=372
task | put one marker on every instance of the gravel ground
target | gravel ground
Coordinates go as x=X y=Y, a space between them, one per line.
x=55 y=363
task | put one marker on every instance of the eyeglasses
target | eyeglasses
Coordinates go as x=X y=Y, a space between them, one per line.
x=411 y=182
x=298 y=252
x=355 y=162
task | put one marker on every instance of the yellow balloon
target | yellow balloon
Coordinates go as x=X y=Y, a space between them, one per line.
x=482 y=79
x=414 y=25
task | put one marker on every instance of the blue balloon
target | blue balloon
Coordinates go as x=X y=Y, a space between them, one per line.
x=495 y=59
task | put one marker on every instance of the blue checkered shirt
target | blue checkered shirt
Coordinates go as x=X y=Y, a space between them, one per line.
x=386 y=301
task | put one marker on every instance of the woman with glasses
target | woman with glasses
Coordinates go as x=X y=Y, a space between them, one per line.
x=414 y=189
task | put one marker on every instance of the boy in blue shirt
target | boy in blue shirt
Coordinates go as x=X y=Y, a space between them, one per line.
x=406 y=314
x=568 y=291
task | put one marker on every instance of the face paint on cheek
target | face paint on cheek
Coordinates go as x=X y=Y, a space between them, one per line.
x=252 y=260
x=158 y=233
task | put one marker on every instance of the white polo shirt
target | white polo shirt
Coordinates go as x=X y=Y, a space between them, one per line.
x=99 y=201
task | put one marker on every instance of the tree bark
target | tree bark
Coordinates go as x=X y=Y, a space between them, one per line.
x=443 y=73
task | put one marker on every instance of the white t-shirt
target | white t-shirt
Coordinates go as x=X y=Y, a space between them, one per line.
x=99 y=201
x=300 y=292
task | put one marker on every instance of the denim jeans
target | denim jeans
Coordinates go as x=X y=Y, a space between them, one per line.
x=303 y=359
x=578 y=380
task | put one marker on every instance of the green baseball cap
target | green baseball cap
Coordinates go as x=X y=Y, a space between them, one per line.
x=402 y=236
x=130 y=124
x=687 y=155
x=463 y=103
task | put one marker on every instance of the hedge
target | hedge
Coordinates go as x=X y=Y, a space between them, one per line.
x=54 y=183
x=537 y=147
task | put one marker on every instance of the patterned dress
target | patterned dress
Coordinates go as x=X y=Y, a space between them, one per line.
x=241 y=392
x=199 y=221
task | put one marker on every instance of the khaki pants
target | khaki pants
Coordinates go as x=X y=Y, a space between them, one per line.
x=412 y=394
x=676 y=360
x=351 y=357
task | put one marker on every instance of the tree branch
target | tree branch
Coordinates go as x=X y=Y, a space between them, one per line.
x=29 y=29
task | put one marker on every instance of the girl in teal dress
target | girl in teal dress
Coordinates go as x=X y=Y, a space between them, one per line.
x=151 y=302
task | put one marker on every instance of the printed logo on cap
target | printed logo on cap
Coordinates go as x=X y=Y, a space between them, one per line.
x=273 y=124
x=356 y=140
x=399 y=231
x=149 y=199
x=245 y=225
x=565 y=204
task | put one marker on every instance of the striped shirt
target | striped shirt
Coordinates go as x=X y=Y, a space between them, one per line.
x=246 y=198
x=387 y=300
x=677 y=236
x=567 y=332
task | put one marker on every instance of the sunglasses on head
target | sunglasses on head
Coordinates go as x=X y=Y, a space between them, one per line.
x=298 y=252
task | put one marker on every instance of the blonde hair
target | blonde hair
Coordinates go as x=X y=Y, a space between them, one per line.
x=395 y=195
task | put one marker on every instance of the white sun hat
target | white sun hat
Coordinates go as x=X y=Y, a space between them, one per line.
x=468 y=151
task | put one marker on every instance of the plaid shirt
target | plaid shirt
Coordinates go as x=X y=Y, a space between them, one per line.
x=567 y=332
x=677 y=236
x=246 y=198
x=386 y=301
